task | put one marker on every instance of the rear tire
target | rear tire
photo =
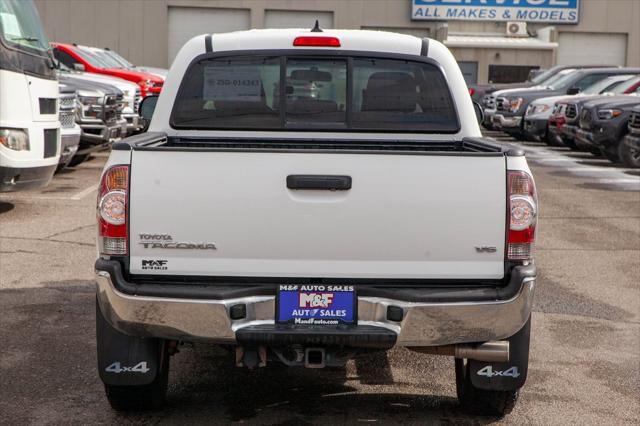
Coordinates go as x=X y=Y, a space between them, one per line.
x=480 y=401
x=629 y=157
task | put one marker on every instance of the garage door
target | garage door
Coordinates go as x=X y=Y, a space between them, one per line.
x=187 y=22
x=297 y=19
x=605 y=49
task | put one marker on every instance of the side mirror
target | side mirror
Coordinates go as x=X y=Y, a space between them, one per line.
x=573 y=91
x=78 y=67
x=479 y=112
x=147 y=106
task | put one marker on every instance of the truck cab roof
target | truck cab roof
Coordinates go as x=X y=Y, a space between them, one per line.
x=341 y=43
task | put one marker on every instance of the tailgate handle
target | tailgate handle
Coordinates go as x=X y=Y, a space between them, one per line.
x=326 y=182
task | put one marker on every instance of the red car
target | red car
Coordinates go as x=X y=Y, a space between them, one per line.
x=72 y=54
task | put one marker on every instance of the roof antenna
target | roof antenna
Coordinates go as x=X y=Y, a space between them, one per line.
x=316 y=28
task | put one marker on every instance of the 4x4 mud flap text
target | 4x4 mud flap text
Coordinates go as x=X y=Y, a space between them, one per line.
x=124 y=360
x=509 y=375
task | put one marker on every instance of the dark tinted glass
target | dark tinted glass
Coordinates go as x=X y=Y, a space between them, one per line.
x=401 y=95
x=64 y=58
x=230 y=93
x=318 y=93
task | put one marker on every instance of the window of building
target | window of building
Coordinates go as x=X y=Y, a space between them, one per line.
x=510 y=73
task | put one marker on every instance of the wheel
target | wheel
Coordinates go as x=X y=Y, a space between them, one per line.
x=77 y=159
x=480 y=401
x=630 y=157
x=134 y=370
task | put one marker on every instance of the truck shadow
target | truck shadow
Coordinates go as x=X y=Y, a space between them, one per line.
x=6 y=207
x=204 y=382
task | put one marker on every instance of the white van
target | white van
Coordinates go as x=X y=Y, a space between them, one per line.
x=29 y=126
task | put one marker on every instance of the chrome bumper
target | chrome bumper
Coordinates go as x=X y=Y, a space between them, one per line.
x=424 y=324
x=508 y=122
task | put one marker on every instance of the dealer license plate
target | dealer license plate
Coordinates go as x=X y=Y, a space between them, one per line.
x=316 y=304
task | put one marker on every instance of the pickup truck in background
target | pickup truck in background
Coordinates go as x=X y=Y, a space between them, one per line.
x=568 y=112
x=630 y=152
x=99 y=115
x=305 y=197
x=603 y=125
x=537 y=124
x=83 y=58
x=486 y=94
x=512 y=104
x=130 y=94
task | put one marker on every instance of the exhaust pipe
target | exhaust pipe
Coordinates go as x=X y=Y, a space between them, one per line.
x=494 y=351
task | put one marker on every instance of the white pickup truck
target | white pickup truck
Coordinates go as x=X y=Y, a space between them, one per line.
x=304 y=197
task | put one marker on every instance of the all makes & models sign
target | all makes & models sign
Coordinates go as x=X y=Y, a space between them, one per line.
x=555 y=11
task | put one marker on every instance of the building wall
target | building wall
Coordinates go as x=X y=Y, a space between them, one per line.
x=138 y=29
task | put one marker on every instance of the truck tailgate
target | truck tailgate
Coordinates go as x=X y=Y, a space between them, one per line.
x=212 y=213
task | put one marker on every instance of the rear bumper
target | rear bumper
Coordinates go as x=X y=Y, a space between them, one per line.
x=431 y=316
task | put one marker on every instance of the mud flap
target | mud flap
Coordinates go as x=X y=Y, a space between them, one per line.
x=125 y=360
x=505 y=376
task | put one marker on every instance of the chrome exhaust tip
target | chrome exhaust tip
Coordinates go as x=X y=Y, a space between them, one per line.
x=493 y=351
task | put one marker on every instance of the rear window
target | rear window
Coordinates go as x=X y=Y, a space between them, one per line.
x=314 y=93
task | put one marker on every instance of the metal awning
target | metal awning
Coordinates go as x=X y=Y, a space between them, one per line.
x=498 y=42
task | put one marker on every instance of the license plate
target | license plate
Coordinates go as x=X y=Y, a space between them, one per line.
x=114 y=133
x=316 y=304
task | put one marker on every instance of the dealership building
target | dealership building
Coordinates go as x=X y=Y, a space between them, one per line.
x=493 y=40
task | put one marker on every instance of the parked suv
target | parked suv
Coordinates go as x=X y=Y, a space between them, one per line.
x=82 y=58
x=305 y=229
x=537 y=124
x=568 y=112
x=603 y=124
x=630 y=152
x=99 y=115
x=487 y=95
x=511 y=105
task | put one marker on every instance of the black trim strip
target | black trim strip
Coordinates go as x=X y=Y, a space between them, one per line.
x=158 y=141
x=208 y=44
x=410 y=290
x=424 y=50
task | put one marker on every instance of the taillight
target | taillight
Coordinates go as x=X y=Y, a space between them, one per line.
x=316 y=41
x=523 y=216
x=112 y=211
x=472 y=91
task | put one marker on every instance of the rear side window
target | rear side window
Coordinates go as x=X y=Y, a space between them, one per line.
x=230 y=93
x=400 y=95
x=314 y=93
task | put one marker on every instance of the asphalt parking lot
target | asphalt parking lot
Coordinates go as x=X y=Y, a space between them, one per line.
x=585 y=357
